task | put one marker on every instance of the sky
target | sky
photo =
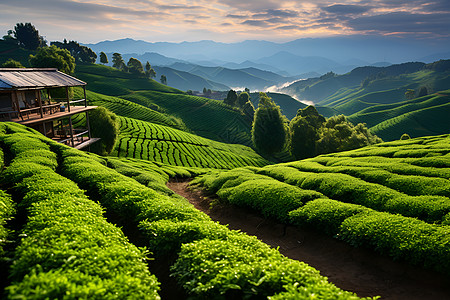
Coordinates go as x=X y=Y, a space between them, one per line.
x=91 y=21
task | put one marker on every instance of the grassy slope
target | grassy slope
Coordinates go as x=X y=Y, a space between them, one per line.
x=422 y=116
x=144 y=140
x=205 y=117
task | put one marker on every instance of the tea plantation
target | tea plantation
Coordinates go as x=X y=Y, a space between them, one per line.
x=392 y=197
x=153 y=142
x=59 y=207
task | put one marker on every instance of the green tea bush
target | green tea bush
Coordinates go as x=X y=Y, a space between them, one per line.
x=241 y=267
x=7 y=211
x=270 y=197
x=67 y=248
x=325 y=214
x=166 y=236
x=400 y=237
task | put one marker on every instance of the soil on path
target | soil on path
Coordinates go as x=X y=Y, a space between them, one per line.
x=358 y=270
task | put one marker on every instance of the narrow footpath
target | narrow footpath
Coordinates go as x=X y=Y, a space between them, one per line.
x=358 y=270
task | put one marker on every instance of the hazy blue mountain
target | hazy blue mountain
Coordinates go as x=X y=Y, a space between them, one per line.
x=339 y=49
x=187 y=81
x=152 y=57
x=435 y=57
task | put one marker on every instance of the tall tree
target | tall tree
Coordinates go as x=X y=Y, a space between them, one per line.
x=118 y=62
x=135 y=66
x=268 y=129
x=149 y=71
x=163 y=79
x=28 y=36
x=82 y=54
x=304 y=132
x=242 y=99
x=53 y=57
x=231 y=98
x=103 y=58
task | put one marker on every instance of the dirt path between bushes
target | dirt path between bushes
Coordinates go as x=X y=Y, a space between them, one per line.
x=358 y=270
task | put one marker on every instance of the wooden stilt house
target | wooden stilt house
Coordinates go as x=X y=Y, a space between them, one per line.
x=26 y=98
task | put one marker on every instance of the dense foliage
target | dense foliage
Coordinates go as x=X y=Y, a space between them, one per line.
x=53 y=57
x=269 y=134
x=82 y=54
x=311 y=134
x=104 y=125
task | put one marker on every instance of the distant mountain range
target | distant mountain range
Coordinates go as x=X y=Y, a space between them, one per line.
x=328 y=54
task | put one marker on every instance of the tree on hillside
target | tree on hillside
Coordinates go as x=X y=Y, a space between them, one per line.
x=103 y=58
x=249 y=111
x=242 y=99
x=163 y=79
x=11 y=63
x=104 y=125
x=337 y=134
x=28 y=36
x=231 y=98
x=118 y=61
x=268 y=129
x=304 y=132
x=53 y=57
x=149 y=71
x=135 y=66
x=82 y=54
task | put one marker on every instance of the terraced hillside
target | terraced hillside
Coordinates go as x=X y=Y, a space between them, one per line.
x=205 y=117
x=64 y=243
x=427 y=115
x=392 y=197
x=153 y=142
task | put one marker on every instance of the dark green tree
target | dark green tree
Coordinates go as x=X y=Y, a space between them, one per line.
x=118 y=62
x=249 y=111
x=337 y=134
x=103 y=58
x=82 y=54
x=53 y=57
x=163 y=79
x=268 y=129
x=149 y=71
x=304 y=132
x=231 y=98
x=243 y=98
x=104 y=125
x=11 y=63
x=28 y=36
x=135 y=66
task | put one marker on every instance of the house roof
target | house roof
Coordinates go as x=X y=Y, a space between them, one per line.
x=33 y=78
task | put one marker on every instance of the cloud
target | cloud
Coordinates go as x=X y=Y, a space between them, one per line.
x=346 y=9
x=437 y=23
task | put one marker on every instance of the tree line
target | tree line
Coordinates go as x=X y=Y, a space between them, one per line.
x=308 y=134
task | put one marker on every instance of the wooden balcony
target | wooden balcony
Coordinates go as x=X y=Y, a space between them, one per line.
x=31 y=116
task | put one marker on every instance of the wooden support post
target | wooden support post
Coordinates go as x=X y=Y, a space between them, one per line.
x=39 y=100
x=88 y=125
x=16 y=101
x=85 y=98
x=45 y=129
x=71 y=131
x=68 y=99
